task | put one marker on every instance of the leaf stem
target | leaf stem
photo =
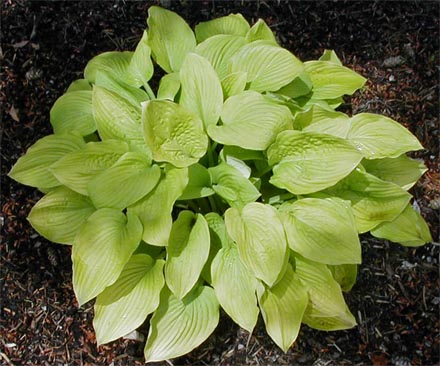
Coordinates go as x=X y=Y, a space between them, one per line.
x=149 y=91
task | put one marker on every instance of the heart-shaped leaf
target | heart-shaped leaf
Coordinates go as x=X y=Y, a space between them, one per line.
x=268 y=66
x=173 y=133
x=260 y=238
x=243 y=125
x=309 y=162
x=323 y=230
x=124 y=306
x=73 y=112
x=408 y=229
x=199 y=183
x=32 y=168
x=59 y=215
x=127 y=181
x=219 y=49
x=140 y=70
x=230 y=184
x=282 y=307
x=260 y=31
x=117 y=118
x=76 y=169
x=187 y=252
x=102 y=247
x=331 y=80
x=372 y=200
x=235 y=286
x=179 y=326
x=232 y=24
x=115 y=63
x=403 y=171
x=154 y=210
x=201 y=89
x=377 y=136
x=169 y=37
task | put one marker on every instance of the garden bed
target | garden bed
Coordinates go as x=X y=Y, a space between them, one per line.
x=46 y=45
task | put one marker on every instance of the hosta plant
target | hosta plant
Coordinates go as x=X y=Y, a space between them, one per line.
x=234 y=183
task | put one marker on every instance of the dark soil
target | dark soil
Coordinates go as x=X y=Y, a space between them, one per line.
x=45 y=45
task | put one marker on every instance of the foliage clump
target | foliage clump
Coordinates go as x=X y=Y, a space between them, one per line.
x=236 y=184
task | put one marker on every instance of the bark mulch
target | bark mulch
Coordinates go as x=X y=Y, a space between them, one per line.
x=45 y=45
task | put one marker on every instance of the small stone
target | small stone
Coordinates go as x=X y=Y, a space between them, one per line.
x=394 y=61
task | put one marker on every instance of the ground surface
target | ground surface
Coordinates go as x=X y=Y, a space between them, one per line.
x=45 y=45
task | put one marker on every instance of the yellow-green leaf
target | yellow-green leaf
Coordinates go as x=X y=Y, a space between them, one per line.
x=169 y=37
x=408 y=229
x=102 y=247
x=323 y=230
x=260 y=239
x=32 y=168
x=233 y=24
x=124 y=306
x=187 y=252
x=282 y=307
x=173 y=133
x=59 y=214
x=309 y=162
x=201 y=91
x=377 y=136
x=179 y=326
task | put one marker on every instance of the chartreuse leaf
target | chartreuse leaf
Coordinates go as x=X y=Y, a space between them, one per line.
x=102 y=247
x=32 y=168
x=124 y=306
x=199 y=183
x=235 y=162
x=242 y=123
x=260 y=239
x=309 y=162
x=322 y=120
x=345 y=275
x=408 y=229
x=76 y=169
x=242 y=154
x=233 y=24
x=179 y=326
x=77 y=85
x=233 y=84
x=154 y=210
x=169 y=86
x=301 y=85
x=169 y=37
x=377 y=136
x=187 y=252
x=330 y=55
x=342 y=321
x=127 y=181
x=132 y=94
x=201 y=89
x=232 y=186
x=72 y=112
x=326 y=309
x=331 y=80
x=140 y=70
x=322 y=230
x=218 y=238
x=372 y=200
x=282 y=307
x=115 y=63
x=268 y=66
x=260 y=31
x=116 y=118
x=234 y=284
x=219 y=49
x=403 y=171
x=173 y=133
x=59 y=214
